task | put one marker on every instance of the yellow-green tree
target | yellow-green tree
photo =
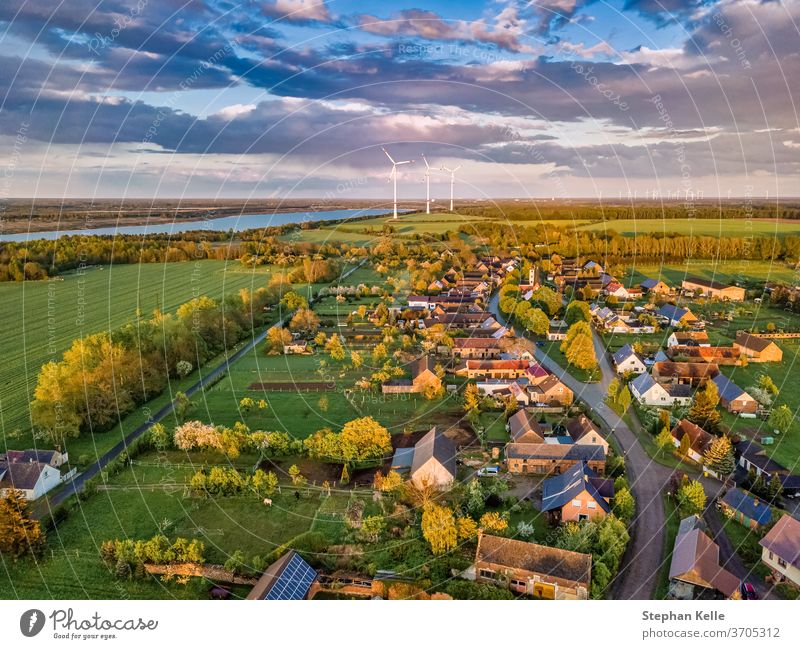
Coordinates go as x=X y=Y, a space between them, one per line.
x=20 y=533
x=439 y=528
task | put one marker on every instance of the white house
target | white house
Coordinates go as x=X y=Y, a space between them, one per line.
x=780 y=549
x=649 y=393
x=434 y=463
x=627 y=360
x=33 y=479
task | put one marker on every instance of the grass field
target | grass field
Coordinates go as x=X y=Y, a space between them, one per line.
x=699 y=227
x=740 y=271
x=41 y=319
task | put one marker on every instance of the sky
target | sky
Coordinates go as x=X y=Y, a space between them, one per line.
x=295 y=98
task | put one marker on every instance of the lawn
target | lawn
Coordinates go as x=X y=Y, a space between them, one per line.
x=672 y=520
x=41 y=319
x=698 y=227
x=739 y=270
x=494 y=424
x=585 y=376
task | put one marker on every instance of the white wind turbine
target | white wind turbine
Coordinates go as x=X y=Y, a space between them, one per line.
x=427 y=185
x=393 y=176
x=452 y=173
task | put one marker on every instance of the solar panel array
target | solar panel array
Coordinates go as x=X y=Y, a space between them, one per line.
x=294 y=581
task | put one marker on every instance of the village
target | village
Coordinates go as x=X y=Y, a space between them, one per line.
x=529 y=429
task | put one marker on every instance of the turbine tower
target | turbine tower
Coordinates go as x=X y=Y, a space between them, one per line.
x=393 y=176
x=427 y=185
x=452 y=173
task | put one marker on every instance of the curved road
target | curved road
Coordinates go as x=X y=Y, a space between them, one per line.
x=79 y=482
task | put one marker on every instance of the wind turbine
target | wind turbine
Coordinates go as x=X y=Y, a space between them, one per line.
x=393 y=176
x=428 y=185
x=452 y=173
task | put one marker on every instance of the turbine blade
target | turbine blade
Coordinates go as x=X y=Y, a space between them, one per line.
x=387 y=155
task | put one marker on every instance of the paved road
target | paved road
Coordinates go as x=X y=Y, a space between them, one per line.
x=640 y=567
x=79 y=483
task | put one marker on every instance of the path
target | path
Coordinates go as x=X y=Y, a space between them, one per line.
x=79 y=482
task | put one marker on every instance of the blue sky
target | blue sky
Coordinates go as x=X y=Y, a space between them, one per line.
x=295 y=98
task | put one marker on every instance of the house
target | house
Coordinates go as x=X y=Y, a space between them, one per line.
x=650 y=393
x=558 y=330
x=705 y=354
x=289 y=578
x=745 y=509
x=551 y=392
x=423 y=377
x=627 y=360
x=676 y=316
x=493 y=369
x=578 y=494
x=476 y=348
x=533 y=569
x=34 y=479
x=757 y=349
x=688 y=339
x=524 y=429
x=781 y=550
x=694 y=571
x=655 y=286
x=733 y=398
x=296 y=347
x=692 y=374
x=710 y=288
x=752 y=457
x=699 y=440
x=54 y=458
x=583 y=431
x=553 y=459
x=434 y=463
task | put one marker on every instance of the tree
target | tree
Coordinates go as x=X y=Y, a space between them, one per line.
x=664 y=439
x=277 y=338
x=335 y=348
x=537 y=322
x=781 y=418
x=379 y=352
x=297 y=478
x=183 y=368
x=704 y=407
x=580 y=352
x=158 y=436
x=264 y=483
x=293 y=301
x=439 y=528
x=577 y=311
x=476 y=497
x=467 y=528
x=304 y=321
x=246 y=404
x=775 y=487
x=613 y=391
x=372 y=528
x=182 y=405
x=20 y=533
x=472 y=399
x=345 y=477
x=493 y=522
x=356 y=359
x=546 y=299
x=692 y=496
x=719 y=456
x=624 y=399
x=765 y=382
x=624 y=504
x=686 y=444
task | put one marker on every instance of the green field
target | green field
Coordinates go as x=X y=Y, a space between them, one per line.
x=699 y=227
x=739 y=271
x=41 y=319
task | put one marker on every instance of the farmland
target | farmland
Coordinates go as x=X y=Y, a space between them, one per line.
x=698 y=227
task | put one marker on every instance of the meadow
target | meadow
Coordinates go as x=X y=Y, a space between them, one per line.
x=742 y=272
x=699 y=227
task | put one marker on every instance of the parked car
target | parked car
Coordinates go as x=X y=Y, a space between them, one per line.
x=488 y=471
x=748 y=591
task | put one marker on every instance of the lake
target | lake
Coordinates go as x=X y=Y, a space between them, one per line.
x=221 y=224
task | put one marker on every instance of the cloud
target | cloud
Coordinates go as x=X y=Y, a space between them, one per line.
x=298 y=10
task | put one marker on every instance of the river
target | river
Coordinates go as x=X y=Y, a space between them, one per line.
x=221 y=224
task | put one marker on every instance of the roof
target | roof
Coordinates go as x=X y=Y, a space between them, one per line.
x=561 y=489
x=576 y=452
x=514 y=364
x=756 y=455
x=289 y=578
x=546 y=384
x=643 y=383
x=727 y=389
x=435 y=444
x=477 y=343
x=755 y=343
x=694 y=336
x=748 y=505
x=784 y=540
x=710 y=283
x=623 y=353
x=521 y=424
x=554 y=562
x=673 y=312
x=421 y=365
x=581 y=426
x=686 y=370
x=649 y=283
x=700 y=439
x=695 y=560
x=704 y=354
x=403 y=458
x=536 y=371
x=21 y=475
x=31 y=455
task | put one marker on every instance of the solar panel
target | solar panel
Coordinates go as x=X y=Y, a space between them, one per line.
x=294 y=581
